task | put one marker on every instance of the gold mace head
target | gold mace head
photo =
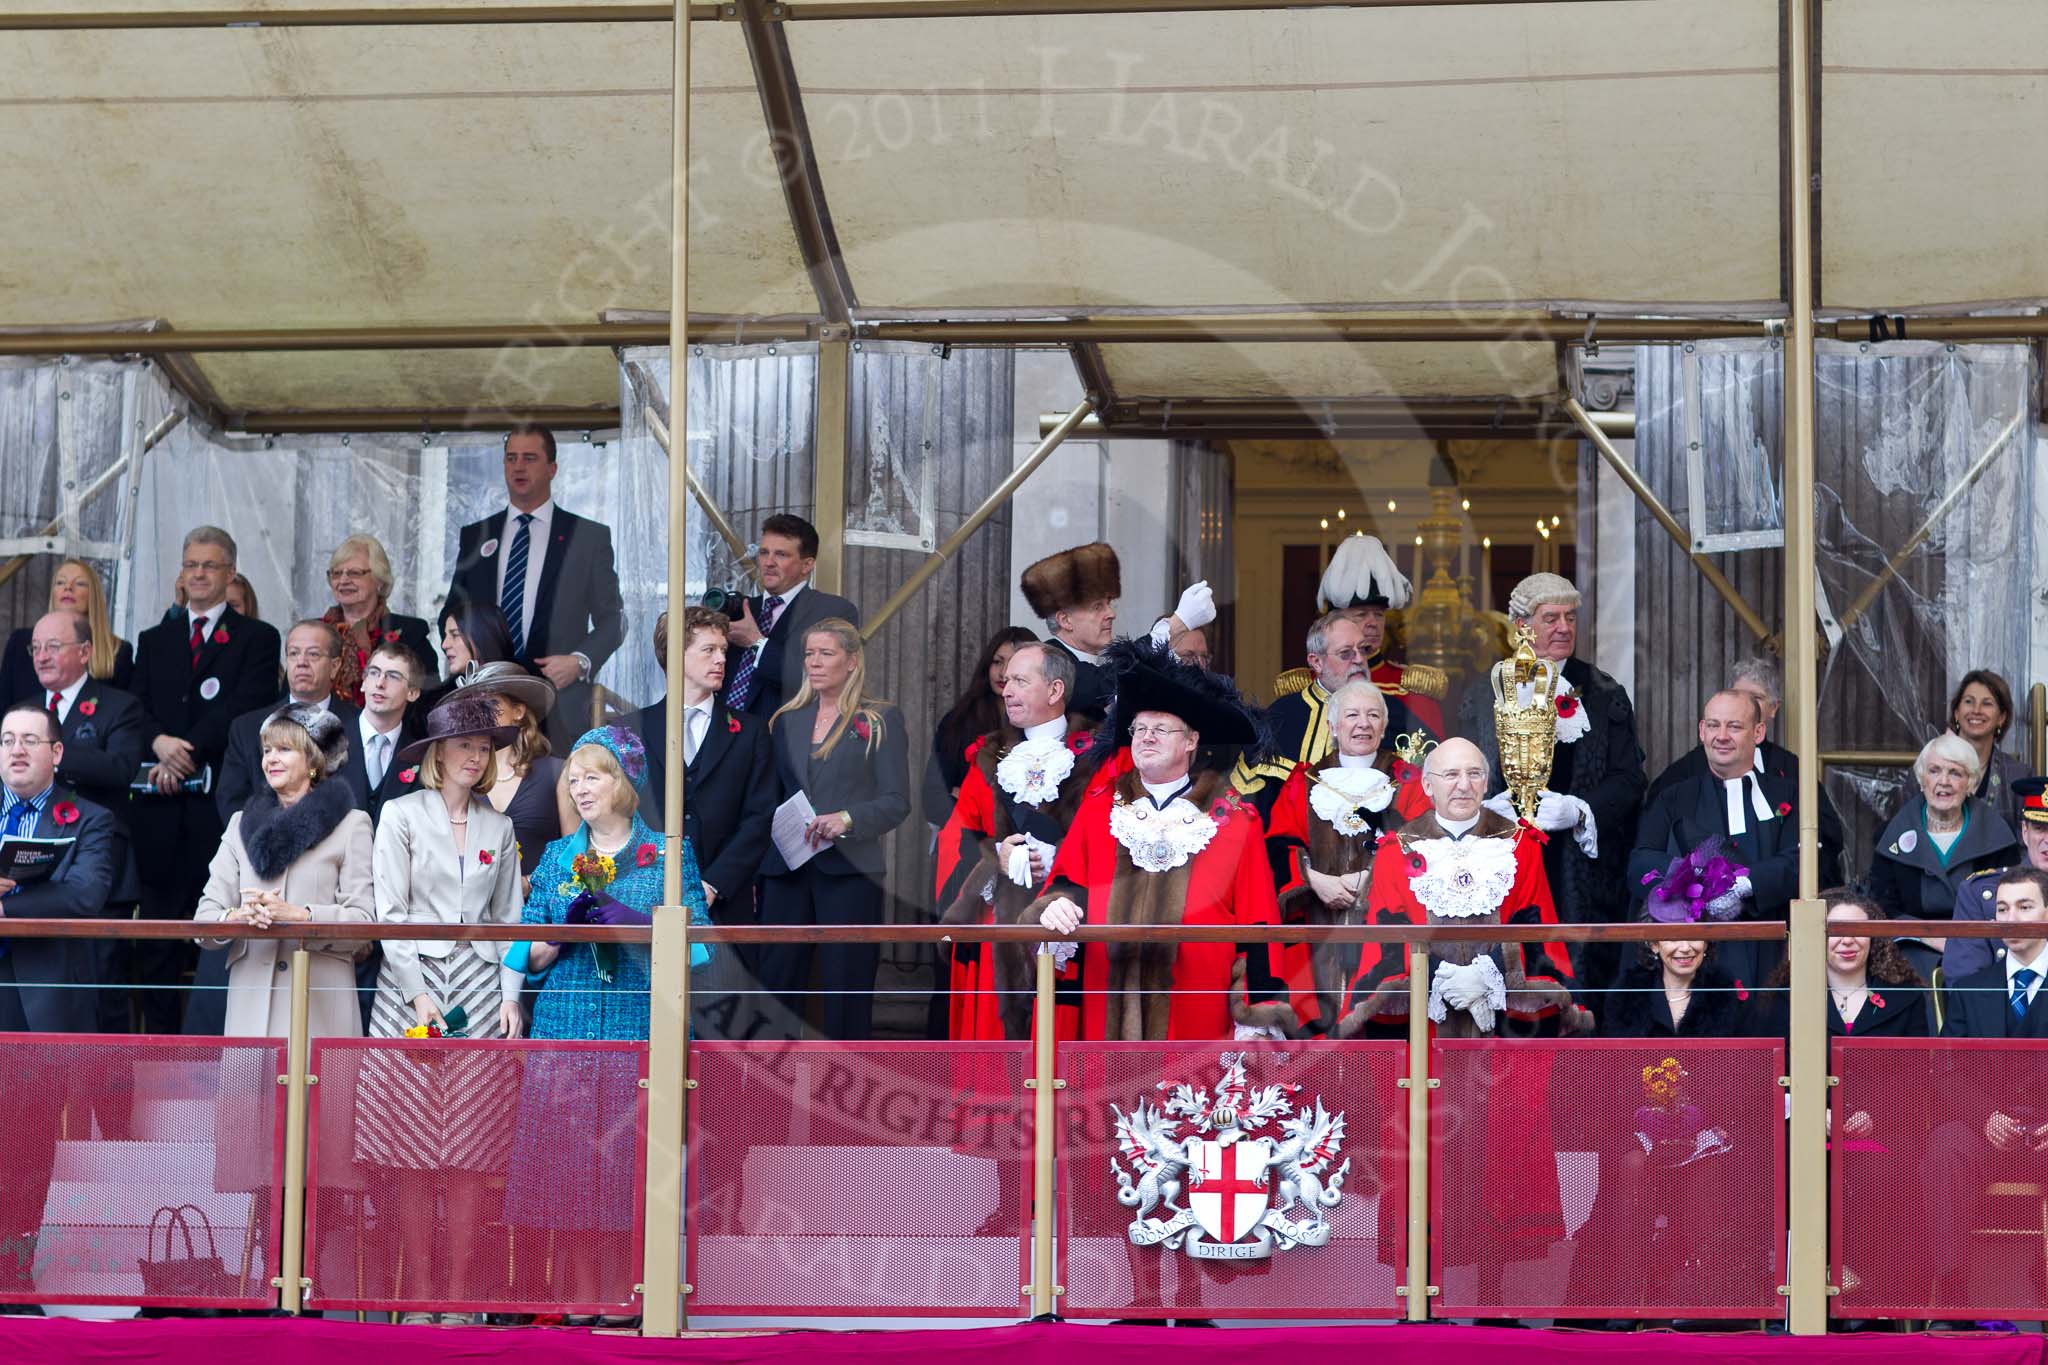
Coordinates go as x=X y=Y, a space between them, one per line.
x=1526 y=730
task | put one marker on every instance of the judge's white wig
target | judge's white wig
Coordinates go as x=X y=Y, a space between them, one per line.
x=1541 y=590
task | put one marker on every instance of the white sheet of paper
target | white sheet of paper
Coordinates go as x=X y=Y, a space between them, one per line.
x=788 y=831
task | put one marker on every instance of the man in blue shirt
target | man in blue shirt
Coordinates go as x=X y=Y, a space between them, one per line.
x=45 y=984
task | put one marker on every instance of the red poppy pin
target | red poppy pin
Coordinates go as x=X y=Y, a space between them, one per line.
x=483 y=856
x=406 y=776
x=87 y=707
x=1417 y=865
x=390 y=637
x=1081 y=742
x=1877 y=999
x=64 y=813
x=1741 y=991
x=732 y=725
x=645 y=855
x=220 y=635
x=860 y=727
x=1784 y=808
x=1221 y=813
x=1567 y=706
x=1402 y=770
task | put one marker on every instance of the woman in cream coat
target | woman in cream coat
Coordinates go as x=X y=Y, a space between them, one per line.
x=438 y=1117
x=298 y=852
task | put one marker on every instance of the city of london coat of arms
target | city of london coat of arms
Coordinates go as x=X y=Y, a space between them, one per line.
x=1245 y=1159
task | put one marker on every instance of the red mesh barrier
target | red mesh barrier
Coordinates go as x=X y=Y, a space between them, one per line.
x=472 y=1176
x=1220 y=1251
x=106 y=1134
x=1931 y=1218
x=1564 y=1182
x=859 y=1178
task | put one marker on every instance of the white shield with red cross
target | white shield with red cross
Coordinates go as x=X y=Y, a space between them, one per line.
x=1228 y=1189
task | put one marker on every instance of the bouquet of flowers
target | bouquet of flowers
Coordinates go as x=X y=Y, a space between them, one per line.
x=1698 y=885
x=456 y=1023
x=590 y=873
x=1671 y=1129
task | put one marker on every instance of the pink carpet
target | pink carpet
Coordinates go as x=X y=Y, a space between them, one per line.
x=315 y=1342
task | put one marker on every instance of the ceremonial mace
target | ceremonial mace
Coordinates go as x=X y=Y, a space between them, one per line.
x=1526 y=730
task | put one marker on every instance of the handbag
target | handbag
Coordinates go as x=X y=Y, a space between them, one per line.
x=190 y=1276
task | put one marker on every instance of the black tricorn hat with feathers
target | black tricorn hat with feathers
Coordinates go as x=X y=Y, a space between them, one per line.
x=1145 y=676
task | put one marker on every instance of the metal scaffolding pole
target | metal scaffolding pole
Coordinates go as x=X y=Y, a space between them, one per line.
x=668 y=1038
x=1806 y=1197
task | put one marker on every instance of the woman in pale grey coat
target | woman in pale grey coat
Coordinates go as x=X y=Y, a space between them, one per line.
x=438 y=1119
x=297 y=854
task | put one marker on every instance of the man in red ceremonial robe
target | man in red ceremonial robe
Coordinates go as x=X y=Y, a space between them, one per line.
x=1465 y=864
x=1024 y=783
x=1169 y=843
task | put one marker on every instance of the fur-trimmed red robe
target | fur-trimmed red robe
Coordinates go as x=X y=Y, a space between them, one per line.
x=1156 y=991
x=992 y=983
x=1518 y=1164
x=1319 y=977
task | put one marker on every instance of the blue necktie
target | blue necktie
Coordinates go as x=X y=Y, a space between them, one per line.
x=512 y=601
x=2022 y=981
x=22 y=814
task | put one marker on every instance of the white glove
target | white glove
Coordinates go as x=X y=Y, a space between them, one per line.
x=1018 y=866
x=1476 y=987
x=1743 y=889
x=1503 y=805
x=1555 y=812
x=1257 y=1033
x=1197 y=606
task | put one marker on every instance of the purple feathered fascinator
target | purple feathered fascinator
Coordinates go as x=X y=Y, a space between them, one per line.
x=1698 y=885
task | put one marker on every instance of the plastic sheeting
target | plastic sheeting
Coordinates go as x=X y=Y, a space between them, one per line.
x=61 y=434
x=1899 y=426
x=288 y=501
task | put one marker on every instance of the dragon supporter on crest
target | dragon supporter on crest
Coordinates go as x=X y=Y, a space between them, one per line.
x=1168 y=843
x=1025 y=780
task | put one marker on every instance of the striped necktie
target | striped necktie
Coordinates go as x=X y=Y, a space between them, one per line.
x=512 y=601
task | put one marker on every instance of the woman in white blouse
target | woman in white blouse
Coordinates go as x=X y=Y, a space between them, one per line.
x=438 y=1119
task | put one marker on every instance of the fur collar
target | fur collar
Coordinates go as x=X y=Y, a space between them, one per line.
x=1636 y=1008
x=275 y=836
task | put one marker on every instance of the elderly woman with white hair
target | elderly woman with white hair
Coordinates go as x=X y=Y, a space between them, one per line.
x=1597 y=759
x=1938 y=838
x=359 y=575
x=1327 y=821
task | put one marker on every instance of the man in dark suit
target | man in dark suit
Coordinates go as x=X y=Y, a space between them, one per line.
x=1753 y=812
x=195 y=671
x=312 y=658
x=391 y=684
x=764 y=657
x=2001 y=1129
x=102 y=728
x=45 y=984
x=1753 y=677
x=549 y=571
x=729 y=791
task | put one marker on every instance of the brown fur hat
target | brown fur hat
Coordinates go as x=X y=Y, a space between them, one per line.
x=1086 y=573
